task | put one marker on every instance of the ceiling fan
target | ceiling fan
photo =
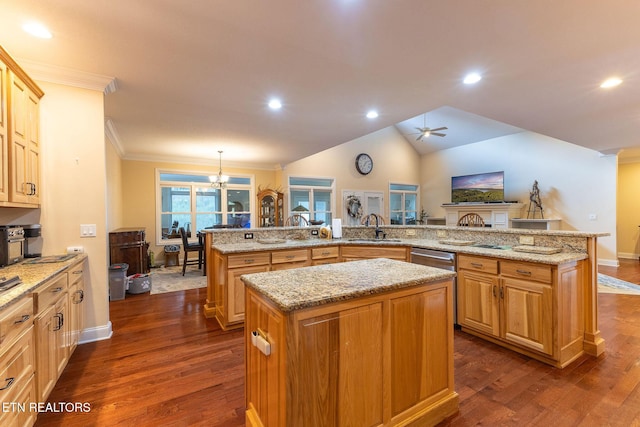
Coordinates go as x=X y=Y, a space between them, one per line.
x=425 y=131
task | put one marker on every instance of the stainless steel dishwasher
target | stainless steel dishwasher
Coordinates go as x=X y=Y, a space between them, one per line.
x=438 y=259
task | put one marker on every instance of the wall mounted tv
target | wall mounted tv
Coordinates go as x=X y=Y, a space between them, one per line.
x=478 y=188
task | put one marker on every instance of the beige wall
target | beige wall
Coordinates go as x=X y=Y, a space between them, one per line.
x=73 y=188
x=394 y=160
x=574 y=181
x=139 y=192
x=628 y=210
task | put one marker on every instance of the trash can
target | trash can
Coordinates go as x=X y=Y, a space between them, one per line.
x=117 y=281
x=139 y=283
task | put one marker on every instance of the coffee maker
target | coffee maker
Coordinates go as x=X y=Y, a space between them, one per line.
x=32 y=241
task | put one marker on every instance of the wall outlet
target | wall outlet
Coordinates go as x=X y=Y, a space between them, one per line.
x=526 y=240
x=593 y=217
x=441 y=233
x=314 y=232
x=75 y=249
x=248 y=235
x=411 y=232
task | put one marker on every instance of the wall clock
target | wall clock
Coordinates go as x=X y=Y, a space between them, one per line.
x=364 y=163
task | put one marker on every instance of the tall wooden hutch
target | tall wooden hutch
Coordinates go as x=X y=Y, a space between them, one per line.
x=270 y=208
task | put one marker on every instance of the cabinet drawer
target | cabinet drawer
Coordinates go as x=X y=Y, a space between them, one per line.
x=15 y=320
x=235 y=261
x=366 y=252
x=321 y=253
x=474 y=263
x=50 y=293
x=75 y=273
x=525 y=270
x=17 y=366
x=298 y=255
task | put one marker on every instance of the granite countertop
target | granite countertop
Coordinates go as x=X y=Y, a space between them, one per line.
x=307 y=287
x=32 y=274
x=552 y=259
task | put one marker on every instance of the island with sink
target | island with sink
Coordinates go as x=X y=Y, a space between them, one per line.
x=533 y=291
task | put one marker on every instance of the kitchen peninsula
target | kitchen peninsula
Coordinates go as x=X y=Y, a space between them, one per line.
x=543 y=305
x=361 y=343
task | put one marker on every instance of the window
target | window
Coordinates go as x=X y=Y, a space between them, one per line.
x=312 y=198
x=403 y=204
x=188 y=200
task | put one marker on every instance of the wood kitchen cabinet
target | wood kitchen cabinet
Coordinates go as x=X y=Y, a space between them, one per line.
x=294 y=258
x=76 y=304
x=356 y=252
x=325 y=255
x=19 y=136
x=528 y=307
x=52 y=329
x=229 y=289
x=270 y=208
x=128 y=245
x=17 y=362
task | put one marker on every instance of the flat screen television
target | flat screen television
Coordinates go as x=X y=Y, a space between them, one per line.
x=478 y=188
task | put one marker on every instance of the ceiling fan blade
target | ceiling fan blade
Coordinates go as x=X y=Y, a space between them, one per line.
x=419 y=137
x=438 y=134
x=437 y=129
x=421 y=130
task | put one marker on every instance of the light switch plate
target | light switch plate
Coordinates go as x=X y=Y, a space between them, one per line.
x=87 y=230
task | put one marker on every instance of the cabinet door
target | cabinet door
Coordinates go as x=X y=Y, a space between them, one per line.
x=527 y=314
x=61 y=335
x=4 y=135
x=235 y=295
x=76 y=306
x=478 y=303
x=46 y=365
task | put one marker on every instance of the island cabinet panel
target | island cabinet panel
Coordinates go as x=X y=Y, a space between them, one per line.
x=379 y=360
x=536 y=309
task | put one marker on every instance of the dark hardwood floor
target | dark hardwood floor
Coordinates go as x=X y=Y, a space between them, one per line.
x=166 y=365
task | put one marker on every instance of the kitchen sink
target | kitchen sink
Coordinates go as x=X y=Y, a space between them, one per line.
x=490 y=246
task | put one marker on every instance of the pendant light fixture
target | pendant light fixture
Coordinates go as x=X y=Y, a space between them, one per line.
x=219 y=180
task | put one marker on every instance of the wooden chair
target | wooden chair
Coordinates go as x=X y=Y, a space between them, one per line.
x=471 y=220
x=192 y=247
x=296 y=220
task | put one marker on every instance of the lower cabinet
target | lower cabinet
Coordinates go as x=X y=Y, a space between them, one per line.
x=357 y=252
x=381 y=360
x=76 y=305
x=527 y=307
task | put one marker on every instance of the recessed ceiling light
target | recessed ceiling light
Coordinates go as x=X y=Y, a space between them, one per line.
x=472 y=78
x=37 y=30
x=275 y=104
x=611 y=82
x=372 y=114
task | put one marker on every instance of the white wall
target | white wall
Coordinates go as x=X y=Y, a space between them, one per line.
x=74 y=189
x=394 y=160
x=574 y=181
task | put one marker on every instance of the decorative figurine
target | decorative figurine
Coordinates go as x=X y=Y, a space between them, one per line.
x=535 y=202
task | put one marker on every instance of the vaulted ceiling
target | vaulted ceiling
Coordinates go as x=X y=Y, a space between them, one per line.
x=193 y=77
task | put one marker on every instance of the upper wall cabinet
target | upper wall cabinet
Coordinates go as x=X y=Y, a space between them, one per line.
x=19 y=136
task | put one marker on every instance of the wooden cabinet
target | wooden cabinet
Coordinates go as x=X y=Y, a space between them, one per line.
x=325 y=255
x=128 y=245
x=17 y=363
x=51 y=325
x=76 y=304
x=380 y=360
x=229 y=289
x=270 y=208
x=529 y=307
x=356 y=252
x=19 y=136
x=295 y=258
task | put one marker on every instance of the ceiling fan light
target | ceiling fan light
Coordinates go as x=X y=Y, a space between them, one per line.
x=372 y=114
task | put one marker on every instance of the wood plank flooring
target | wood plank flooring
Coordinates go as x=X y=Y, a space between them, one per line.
x=166 y=365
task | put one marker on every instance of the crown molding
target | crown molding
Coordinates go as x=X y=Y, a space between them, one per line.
x=112 y=135
x=68 y=77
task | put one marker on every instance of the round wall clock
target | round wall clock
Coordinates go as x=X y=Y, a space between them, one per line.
x=364 y=163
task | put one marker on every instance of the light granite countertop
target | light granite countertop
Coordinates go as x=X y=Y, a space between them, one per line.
x=552 y=259
x=305 y=287
x=32 y=275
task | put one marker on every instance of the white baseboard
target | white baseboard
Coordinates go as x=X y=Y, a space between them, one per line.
x=627 y=255
x=609 y=262
x=96 y=334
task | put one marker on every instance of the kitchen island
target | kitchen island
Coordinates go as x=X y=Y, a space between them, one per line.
x=361 y=343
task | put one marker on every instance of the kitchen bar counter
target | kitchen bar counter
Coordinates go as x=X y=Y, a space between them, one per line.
x=33 y=274
x=312 y=286
x=317 y=337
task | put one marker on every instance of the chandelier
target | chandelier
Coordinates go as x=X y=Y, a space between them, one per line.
x=219 y=180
